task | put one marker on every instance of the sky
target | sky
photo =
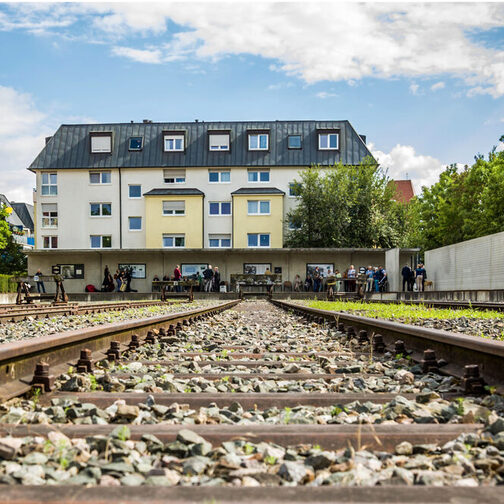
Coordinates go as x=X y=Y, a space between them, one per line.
x=423 y=82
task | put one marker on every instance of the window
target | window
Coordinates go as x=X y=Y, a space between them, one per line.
x=258 y=141
x=174 y=176
x=258 y=207
x=102 y=177
x=293 y=189
x=328 y=141
x=219 y=241
x=101 y=209
x=50 y=242
x=49 y=184
x=99 y=241
x=258 y=176
x=173 y=241
x=258 y=240
x=220 y=208
x=174 y=143
x=294 y=142
x=49 y=215
x=135 y=191
x=101 y=143
x=218 y=142
x=135 y=143
x=256 y=268
x=219 y=176
x=135 y=223
x=173 y=207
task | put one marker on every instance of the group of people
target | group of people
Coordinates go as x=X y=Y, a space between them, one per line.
x=209 y=280
x=414 y=277
x=119 y=282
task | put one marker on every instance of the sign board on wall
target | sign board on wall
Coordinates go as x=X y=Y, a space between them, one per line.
x=256 y=269
x=323 y=268
x=193 y=269
x=137 y=270
x=71 y=271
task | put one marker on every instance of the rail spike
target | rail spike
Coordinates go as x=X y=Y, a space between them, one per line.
x=85 y=364
x=473 y=382
x=114 y=352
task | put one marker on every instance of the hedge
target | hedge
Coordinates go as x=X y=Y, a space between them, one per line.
x=6 y=285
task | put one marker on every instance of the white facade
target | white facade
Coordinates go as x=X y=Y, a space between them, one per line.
x=76 y=193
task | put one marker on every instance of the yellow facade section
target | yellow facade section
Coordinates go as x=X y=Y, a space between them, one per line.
x=190 y=224
x=243 y=224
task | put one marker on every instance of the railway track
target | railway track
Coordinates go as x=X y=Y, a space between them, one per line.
x=16 y=313
x=242 y=402
x=477 y=305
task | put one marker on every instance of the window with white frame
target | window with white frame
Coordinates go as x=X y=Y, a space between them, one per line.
x=258 y=239
x=134 y=191
x=219 y=176
x=174 y=176
x=219 y=240
x=101 y=241
x=258 y=175
x=173 y=240
x=258 y=141
x=174 y=143
x=173 y=207
x=49 y=184
x=219 y=208
x=50 y=242
x=49 y=215
x=100 y=177
x=101 y=143
x=256 y=207
x=328 y=141
x=218 y=142
x=135 y=223
x=100 y=209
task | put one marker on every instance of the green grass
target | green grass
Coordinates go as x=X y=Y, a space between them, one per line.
x=407 y=313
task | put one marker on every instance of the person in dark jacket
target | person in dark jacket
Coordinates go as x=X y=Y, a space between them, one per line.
x=177 y=275
x=216 y=279
x=406 y=276
x=208 y=277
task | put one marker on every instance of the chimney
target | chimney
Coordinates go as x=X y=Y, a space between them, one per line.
x=47 y=139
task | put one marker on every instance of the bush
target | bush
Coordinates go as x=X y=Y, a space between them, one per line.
x=6 y=285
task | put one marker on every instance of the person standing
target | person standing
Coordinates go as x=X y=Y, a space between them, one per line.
x=376 y=278
x=177 y=275
x=419 y=277
x=331 y=283
x=406 y=275
x=216 y=279
x=351 y=275
x=208 y=277
x=316 y=280
x=39 y=282
x=369 y=279
x=339 y=281
x=297 y=283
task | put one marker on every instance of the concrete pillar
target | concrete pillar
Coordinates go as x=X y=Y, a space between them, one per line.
x=393 y=268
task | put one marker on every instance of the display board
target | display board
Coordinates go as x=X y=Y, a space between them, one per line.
x=323 y=268
x=70 y=271
x=137 y=270
x=256 y=268
x=192 y=269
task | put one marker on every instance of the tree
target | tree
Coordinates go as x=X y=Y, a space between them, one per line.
x=12 y=258
x=346 y=206
x=462 y=205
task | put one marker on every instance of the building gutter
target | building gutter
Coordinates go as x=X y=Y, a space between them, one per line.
x=120 y=210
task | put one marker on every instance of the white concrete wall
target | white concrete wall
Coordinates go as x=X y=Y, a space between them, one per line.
x=469 y=265
x=392 y=268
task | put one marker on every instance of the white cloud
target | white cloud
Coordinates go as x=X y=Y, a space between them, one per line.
x=140 y=55
x=22 y=130
x=414 y=89
x=409 y=40
x=437 y=86
x=280 y=85
x=403 y=162
x=324 y=94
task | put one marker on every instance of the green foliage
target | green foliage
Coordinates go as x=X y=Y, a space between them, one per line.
x=6 y=285
x=248 y=449
x=406 y=313
x=346 y=206
x=5 y=232
x=12 y=258
x=270 y=459
x=462 y=205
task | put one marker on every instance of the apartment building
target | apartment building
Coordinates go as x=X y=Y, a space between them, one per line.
x=178 y=187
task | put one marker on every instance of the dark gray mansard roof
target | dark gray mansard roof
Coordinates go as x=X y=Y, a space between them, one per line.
x=70 y=145
x=258 y=190
x=174 y=192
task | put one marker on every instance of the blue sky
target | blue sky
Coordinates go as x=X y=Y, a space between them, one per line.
x=425 y=83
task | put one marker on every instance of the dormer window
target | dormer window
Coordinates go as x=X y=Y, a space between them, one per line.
x=218 y=141
x=135 y=143
x=328 y=140
x=174 y=142
x=258 y=141
x=101 y=142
